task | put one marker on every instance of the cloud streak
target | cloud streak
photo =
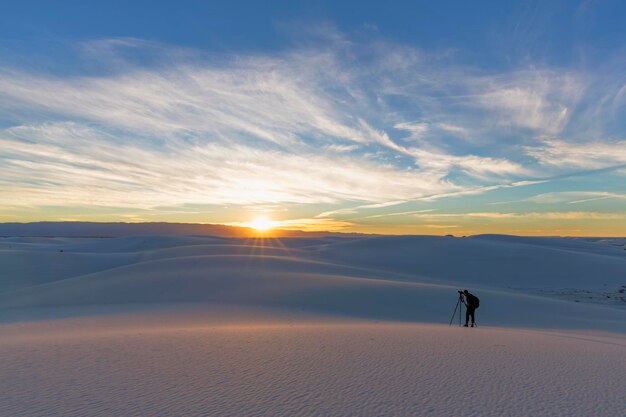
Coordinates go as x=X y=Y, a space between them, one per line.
x=357 y=126
x=566 y=215
x=77 y=164
x=590 y=155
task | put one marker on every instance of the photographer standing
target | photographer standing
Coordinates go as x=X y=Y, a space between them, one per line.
x=471 y=304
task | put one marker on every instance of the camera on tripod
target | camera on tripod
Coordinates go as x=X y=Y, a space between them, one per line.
x=459 y=302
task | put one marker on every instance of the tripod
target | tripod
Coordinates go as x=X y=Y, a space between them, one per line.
x=458 y=306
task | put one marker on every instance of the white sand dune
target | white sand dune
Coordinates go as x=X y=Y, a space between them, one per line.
x=152 y=325
x=310 y=369
x=499 y=261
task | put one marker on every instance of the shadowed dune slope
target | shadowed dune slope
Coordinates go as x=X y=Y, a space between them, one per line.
x=285 y=281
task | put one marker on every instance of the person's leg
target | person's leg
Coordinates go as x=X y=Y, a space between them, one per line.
x=472 y=311
x=467 y=315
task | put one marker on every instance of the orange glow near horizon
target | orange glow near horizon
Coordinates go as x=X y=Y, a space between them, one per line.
x=262 y=224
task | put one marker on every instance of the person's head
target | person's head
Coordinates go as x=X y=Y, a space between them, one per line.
x=465 y=292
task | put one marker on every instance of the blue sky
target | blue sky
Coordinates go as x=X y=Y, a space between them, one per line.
x=414 y=117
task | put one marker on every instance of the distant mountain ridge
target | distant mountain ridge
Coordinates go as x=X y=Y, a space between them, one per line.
x=113 y=229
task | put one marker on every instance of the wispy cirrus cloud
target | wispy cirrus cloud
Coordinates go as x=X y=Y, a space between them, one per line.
x=80 y=165
x=244 y=130
x=565 y=215
x=541 y=100
x=593 y=154
x=403 y=213
x=567 y=197
x=416 y=130
x=574 y=197
x=357 y=125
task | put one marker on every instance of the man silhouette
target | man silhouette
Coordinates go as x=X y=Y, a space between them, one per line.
x=471 y=304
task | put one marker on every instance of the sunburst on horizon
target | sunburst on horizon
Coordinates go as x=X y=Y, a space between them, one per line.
x=262 y=224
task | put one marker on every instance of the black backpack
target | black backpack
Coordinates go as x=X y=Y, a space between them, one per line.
x=473 y=301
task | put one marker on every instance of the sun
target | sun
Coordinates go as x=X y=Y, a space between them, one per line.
x=262 y=224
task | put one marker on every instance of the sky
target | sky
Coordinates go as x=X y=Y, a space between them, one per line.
x=402 y=117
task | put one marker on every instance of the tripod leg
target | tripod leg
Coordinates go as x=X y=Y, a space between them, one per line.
x=462 y=302
x=454 y=314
